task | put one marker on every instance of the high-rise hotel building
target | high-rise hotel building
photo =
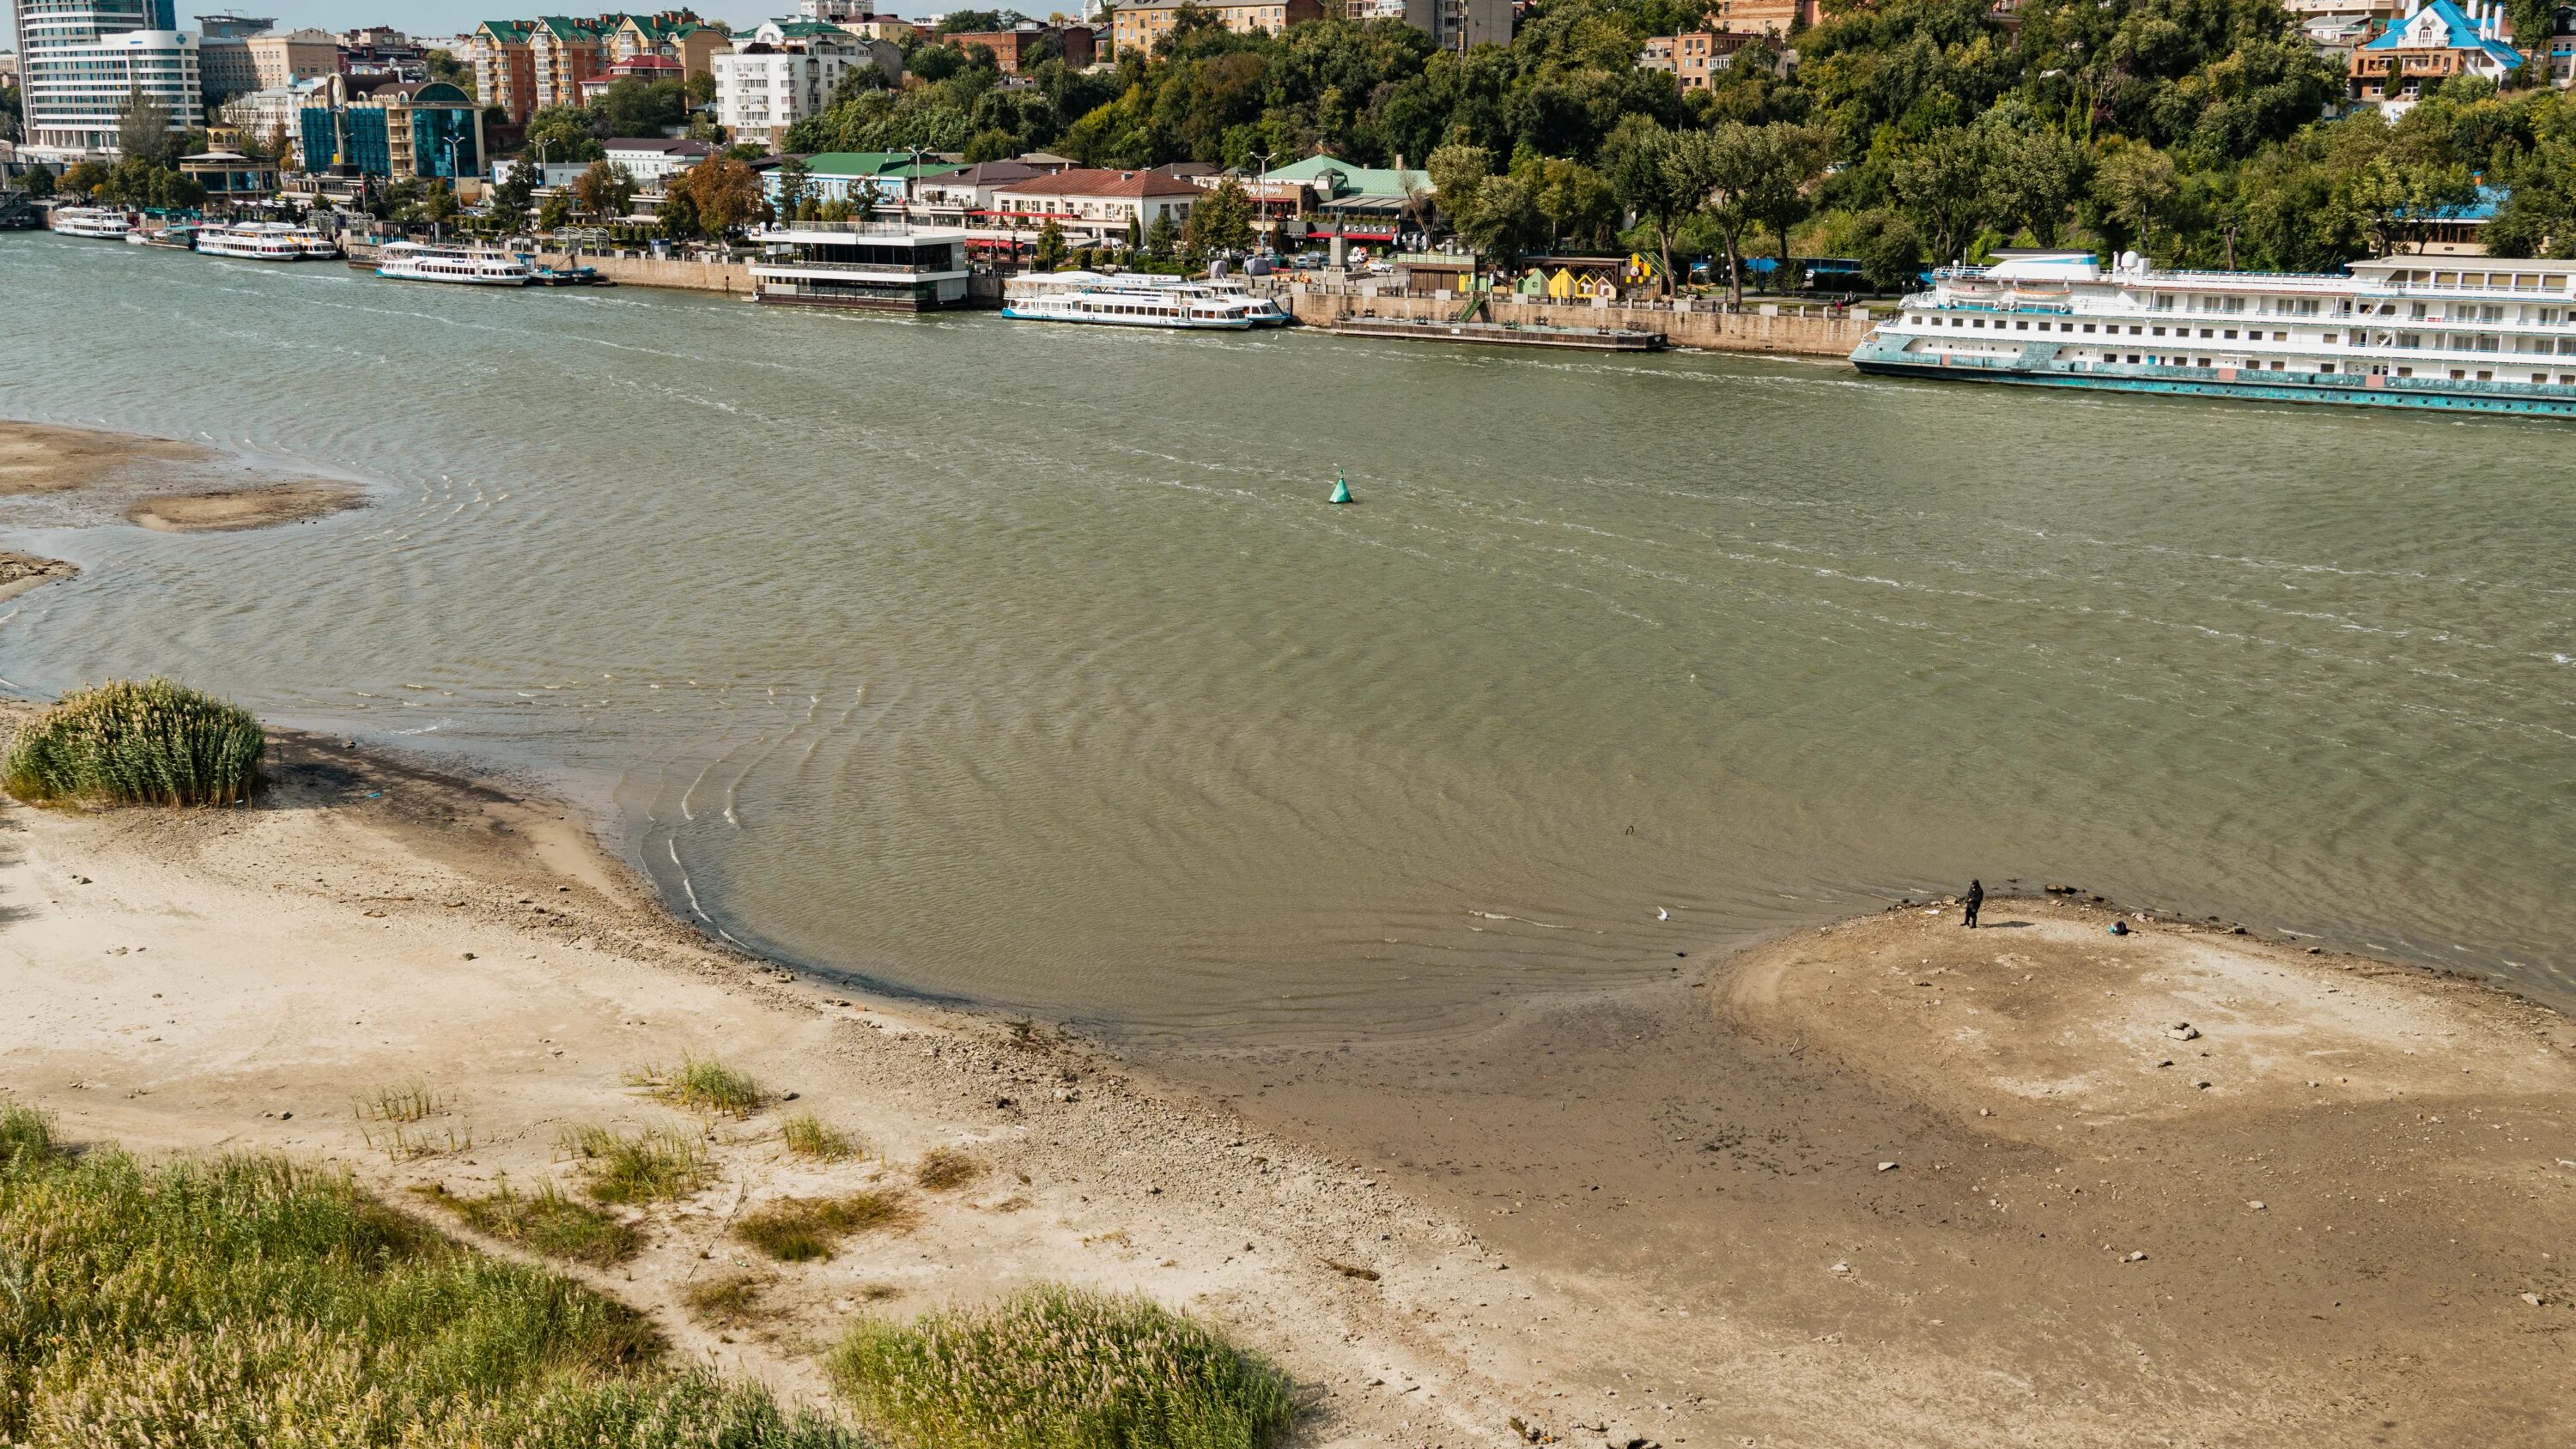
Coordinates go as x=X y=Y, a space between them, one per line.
x=80 y=62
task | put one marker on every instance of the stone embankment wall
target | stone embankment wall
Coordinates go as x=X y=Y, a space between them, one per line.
x=1808 y=332
x=731 y=277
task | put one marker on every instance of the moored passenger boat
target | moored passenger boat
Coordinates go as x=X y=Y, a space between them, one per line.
x=91 y=221
x=405 y=261
x=2474 y=334
x=1138 y=300
x=257 y=241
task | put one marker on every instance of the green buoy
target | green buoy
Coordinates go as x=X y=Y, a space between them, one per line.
x=1341 y=490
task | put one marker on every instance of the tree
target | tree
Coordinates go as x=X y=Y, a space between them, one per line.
x=84 y=178
x=143 y=128
x=1637 y=158
x=1575 y=201
x=725 y=192
x=555 y=214
x=2031 y=176
x=2135 y=183
x=1889 y=249
x=563 y=133
x=1942 y=184
x=39 y=181
x=1050 y=249
x=511 y=196
x=1221 y=221
x=1786 y=160
x=442 y=65
x=1161 y=237
x=795 y=185
x=604 y=190
x=678 y=215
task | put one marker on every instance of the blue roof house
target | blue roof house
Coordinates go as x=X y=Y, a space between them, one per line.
x=2431 y=43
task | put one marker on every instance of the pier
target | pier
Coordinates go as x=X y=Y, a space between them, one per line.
x=1500 y=334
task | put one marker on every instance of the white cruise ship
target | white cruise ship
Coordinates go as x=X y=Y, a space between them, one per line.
x=2473 y=334
x=263 y=241
x=94 y=221
x=1137 y=300
x=471 y=265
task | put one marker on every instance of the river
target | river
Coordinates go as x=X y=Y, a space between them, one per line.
x=1026 y=665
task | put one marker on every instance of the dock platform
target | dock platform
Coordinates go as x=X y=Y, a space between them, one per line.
x=1500 y=334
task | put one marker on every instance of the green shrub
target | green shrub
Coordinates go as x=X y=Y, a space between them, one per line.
x=799 y=1229
x=1059 y=1368
x=155 y=743
x=246 y=1302
x=545 y=1222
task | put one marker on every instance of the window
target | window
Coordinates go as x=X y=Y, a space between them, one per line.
x=2088 y=326
x=2231 y=334
x=2205 y=332
x=2159 y=331
x=2133 y=357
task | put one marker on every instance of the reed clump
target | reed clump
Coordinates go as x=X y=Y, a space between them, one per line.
x=801 y=1229
x=1060 y=1368
x=703 y=1084
x=544 y=1221
x=247 y=1300
x=123 y=743
x=807 y=1135
x=637 y=1167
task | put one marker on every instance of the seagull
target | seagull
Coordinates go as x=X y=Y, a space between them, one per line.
x=1662 y=915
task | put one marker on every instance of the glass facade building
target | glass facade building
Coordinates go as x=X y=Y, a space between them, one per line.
x=418 y=129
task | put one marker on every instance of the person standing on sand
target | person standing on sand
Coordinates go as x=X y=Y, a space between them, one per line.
x=1975 y=897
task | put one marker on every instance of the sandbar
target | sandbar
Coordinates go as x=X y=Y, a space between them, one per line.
x=1887 y=1182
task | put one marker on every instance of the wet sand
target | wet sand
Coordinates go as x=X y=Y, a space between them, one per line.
x=1896 y=1183
x=78 y=477
x=1657 y=1216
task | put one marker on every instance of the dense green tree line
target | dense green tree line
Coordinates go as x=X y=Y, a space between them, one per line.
x=1907 y=132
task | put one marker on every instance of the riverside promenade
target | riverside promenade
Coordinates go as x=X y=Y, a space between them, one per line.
x=1790 y=328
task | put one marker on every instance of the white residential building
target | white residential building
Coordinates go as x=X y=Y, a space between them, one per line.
x=787 y=70
x=1092 y=206
x=650 y=159
x=81 y=61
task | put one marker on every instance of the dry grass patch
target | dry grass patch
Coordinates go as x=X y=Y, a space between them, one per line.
x=725 y=1301
x=641 y=1167
x=1060 y=1368
x=801 y=1229
x=806 y=1135
x=942 y=1168
x=703 y=1084
x=544 y=1222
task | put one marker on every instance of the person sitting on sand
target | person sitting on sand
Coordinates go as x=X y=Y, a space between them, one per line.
x=1975 y=897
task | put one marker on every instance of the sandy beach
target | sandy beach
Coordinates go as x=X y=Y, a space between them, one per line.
x=1889 y=1182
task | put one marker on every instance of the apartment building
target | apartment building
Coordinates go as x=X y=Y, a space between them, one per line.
x=294 y=56
x=787 y=70
x=1137 y=27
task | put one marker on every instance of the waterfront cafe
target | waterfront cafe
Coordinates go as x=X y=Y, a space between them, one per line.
x=230 y=176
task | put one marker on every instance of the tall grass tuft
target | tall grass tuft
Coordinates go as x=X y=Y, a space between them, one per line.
x=246 y=1301
x=807 y=1135
x=155 y=743
x=1060 y=1368
x=640 y=1167
x=703 y=1084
